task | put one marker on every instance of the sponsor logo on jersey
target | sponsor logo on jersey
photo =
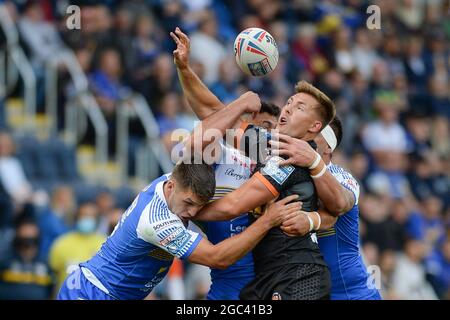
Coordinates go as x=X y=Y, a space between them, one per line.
x=230 y=172
x=165 y=224
x=164 y=242
x=277 y=173
x=176 y=245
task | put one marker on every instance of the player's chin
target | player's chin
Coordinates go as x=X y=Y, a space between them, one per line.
x=283 y=128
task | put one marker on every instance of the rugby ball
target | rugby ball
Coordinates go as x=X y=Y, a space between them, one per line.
x=256 y=52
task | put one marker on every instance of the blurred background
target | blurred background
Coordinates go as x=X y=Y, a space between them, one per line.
x=86 y=117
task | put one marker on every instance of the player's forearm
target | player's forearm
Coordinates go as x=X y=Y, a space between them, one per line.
x=202 y=101
x=215 y=125
x=234 y=248
x=327 y=220
x=333 y=195
x=219 y=210
x=247 y=197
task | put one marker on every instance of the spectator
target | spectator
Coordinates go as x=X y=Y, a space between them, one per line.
x=386 y=141
x=12 y=175
x=168 y=118
x=342 y=49
x=41 y=37
x=226 y=88
x=106 y=81
x=206 y=48
x=409 y=280
x=105 y=204
x=364 y=55
x=57 y=219
x=23 y=276
x=161 y=82
x=75 y=247
x=387 y=266
x=306 y=51
x=145 y=49
x=416 y=69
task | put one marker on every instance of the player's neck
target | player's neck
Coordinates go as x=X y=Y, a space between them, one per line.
x=309 y=136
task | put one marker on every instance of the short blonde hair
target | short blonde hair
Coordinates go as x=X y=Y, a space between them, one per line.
x=326 y=107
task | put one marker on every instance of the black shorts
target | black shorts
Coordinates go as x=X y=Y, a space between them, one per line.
x=290 y=282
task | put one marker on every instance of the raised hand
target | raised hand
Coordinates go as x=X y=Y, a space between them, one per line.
x=251 y=102
x=181 y=53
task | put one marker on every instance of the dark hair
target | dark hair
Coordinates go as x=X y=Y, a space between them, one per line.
x=326 y=108
x=336 y=126
x=199 y=178
x=270 y=108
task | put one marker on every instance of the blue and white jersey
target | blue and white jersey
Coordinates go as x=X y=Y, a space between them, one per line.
x=340 y=248
x=140 y=250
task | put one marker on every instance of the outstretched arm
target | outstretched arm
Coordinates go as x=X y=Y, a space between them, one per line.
x=202 y=101
x=250 y=195
x=229 y=251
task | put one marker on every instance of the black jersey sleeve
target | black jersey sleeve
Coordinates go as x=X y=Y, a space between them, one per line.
x=278 y=178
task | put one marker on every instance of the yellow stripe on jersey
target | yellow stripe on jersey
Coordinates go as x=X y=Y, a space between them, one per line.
x=326 y=233
x=160 y=254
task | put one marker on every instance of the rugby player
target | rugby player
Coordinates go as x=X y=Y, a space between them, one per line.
x=287 y=267
x=140 y=250
x=230 y=174
x=339 y=237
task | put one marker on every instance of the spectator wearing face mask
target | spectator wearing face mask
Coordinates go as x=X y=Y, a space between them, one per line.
x=23 y=276
x=77 y=246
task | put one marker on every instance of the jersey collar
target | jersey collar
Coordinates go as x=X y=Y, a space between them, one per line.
x=160 y=191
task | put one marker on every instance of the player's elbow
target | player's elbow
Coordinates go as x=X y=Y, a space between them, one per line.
x=221 y=265
x=338 y=209
x=338 y=206
x=218 y=262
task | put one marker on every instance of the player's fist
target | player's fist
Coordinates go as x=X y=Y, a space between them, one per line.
x=296 y=224
x=250 y=101
x=181 y=53
x=277 y=212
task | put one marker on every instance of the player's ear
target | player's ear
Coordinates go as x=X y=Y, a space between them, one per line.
x=171 y=184
x=328 y=150
x=316 y=127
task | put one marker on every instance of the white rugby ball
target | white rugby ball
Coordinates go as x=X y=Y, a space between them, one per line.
x=256 y=52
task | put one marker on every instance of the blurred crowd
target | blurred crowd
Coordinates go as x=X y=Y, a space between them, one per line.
x=390 y=85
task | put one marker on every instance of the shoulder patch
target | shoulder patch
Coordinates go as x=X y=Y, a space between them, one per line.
x=176 y=246
x=276 y=172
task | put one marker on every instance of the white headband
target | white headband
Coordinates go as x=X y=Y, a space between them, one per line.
x=330 y=137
